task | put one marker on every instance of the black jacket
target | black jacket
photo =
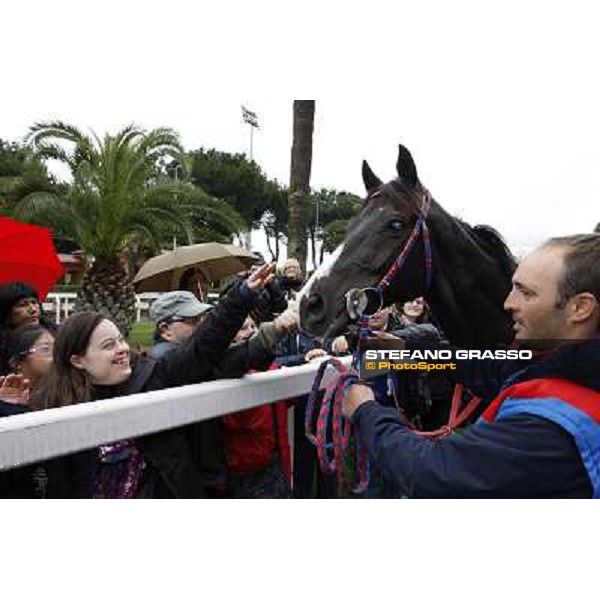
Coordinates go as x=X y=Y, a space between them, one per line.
x=25 y=482
x=171 y=469
x=206 y=438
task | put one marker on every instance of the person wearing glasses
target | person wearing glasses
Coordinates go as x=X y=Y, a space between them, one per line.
x=19 y=305
x=30 y=350
x=176 y=314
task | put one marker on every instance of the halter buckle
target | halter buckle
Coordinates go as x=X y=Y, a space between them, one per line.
x=360 y=300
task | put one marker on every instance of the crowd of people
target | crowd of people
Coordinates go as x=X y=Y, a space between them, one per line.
x=538 y=435
x=241 y=455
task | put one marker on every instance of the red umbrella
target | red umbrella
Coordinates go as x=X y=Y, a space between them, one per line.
x=27 y=254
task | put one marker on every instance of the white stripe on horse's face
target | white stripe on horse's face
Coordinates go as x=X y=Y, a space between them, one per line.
x=323 y=271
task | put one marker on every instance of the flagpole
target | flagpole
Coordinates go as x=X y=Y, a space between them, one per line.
x=249 y=117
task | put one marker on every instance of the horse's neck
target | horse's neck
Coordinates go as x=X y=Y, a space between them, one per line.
x=468 y=290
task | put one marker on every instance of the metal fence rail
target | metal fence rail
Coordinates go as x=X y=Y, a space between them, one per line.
x=36 y=436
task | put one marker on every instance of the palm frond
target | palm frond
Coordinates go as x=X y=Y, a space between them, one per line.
x=54 y=152
x=58 y=130
x=44 y=208
x=118 y=190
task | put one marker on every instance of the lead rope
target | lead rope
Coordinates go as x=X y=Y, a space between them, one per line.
x=456 y=418
x=331 y=454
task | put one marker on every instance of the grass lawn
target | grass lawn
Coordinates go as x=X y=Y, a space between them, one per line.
x=140 y=335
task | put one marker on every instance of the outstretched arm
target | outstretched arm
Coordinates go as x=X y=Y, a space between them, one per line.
x=259 y=351
x=197 y=358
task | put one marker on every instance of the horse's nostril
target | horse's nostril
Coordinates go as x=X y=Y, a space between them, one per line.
x=314 y=300
x=315 y=306
x=313 y=313
x=315 y=303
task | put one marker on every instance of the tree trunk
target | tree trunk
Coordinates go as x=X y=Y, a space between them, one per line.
x=312 y=234
x=268 y=237
x=107 y=289
x=304 y=113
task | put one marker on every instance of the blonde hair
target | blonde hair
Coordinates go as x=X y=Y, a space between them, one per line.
x=291 y=262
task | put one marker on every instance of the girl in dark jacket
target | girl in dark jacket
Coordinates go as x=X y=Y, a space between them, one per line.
x=92 y=362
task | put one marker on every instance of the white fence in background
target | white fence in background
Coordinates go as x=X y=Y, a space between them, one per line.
x=45 y=434
x=60 y=305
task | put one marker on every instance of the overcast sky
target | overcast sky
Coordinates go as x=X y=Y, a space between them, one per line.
x=498 y=102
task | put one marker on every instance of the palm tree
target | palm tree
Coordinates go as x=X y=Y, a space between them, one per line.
x=120 y=197
x=304 y=114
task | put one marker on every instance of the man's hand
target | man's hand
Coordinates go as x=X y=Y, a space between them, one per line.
x=14 y=389
x=261 y=277
x=314 y=354
x=288 y=320
x=356 y=395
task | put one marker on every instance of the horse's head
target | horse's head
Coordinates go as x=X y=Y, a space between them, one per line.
x=470 y=271
x=373 y=242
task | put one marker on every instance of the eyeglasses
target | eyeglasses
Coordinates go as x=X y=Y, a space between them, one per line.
x=41 y=349
x=187 y=320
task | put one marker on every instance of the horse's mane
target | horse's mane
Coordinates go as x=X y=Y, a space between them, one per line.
x=497 y=246
x=493 y=243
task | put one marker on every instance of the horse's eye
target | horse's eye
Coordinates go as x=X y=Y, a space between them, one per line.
x=396 y=225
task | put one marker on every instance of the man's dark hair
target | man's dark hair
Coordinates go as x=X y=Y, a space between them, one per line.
x=582 y=266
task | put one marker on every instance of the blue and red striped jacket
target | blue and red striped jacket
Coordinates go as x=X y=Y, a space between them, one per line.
x=538 y=438
x=573 y=407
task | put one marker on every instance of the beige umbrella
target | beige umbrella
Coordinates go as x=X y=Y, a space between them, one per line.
x=216 y=261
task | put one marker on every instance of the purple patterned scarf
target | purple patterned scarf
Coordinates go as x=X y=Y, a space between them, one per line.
x=120 y=471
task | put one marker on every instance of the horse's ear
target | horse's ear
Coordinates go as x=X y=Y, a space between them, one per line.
x=407 y=171
x=371 y=181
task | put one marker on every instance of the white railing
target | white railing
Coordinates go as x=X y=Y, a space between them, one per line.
x=60 y=305
x=35 y=436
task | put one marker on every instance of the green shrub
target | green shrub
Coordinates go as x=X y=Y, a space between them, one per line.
x=140 y=336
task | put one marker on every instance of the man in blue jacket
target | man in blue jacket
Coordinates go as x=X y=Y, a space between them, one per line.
x=540 y=434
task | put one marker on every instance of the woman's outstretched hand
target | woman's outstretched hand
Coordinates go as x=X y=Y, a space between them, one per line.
x=257 y=280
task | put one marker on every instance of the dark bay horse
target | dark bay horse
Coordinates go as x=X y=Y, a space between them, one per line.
x=471 y=267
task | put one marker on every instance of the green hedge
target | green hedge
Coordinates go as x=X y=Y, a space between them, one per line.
x=140 y=336
x=65 y=288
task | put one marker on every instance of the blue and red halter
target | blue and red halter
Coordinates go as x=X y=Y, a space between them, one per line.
x=332 y=454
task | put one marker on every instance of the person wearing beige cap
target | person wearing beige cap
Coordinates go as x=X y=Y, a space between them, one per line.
x=176 y=314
